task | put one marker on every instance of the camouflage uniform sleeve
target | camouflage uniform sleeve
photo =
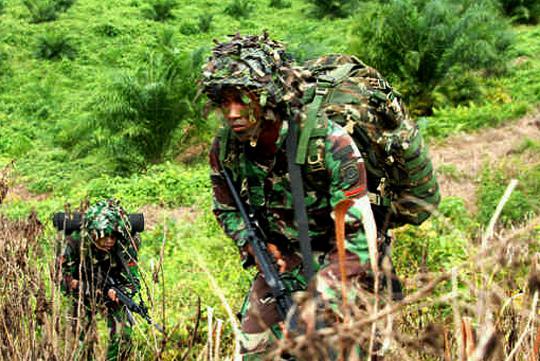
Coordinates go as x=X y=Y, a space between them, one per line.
x=130 y=283
x=224 y=208
x=347 y=181
x=69 y=262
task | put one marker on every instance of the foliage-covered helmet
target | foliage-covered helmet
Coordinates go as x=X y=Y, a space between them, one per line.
x=106 y=218
x=255 y=63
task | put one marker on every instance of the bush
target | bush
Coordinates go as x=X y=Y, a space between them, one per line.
x=239 y=8
x=189 y=28
x=522 y=11
x=140 y=112
x=54 y=46
x=280 y=4
x=425 y=44
x=2 y=6
x=523 y=202
x=333 y=8
x=64 y=5
x=205 y=22
x=159 y=10
x=107 y=29
x=41 y=10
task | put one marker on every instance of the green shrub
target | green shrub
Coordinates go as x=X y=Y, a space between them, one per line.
x=42 y=10
x=189 y=28
x=2 y=6
x=3 y=64
x=280 y=4
x=141 y=111
x=522 y=11
x=239 y=8
x=205 y=22
x=54 y=46
x=64 y=5
x=333 y=8
x=159 y=10
x=107 y=29
x=523 y=202
x=424 y=45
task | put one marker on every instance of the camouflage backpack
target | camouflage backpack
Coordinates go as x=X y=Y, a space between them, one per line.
x=401 y=181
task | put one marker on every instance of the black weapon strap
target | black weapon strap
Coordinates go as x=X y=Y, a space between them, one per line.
x=297 y=188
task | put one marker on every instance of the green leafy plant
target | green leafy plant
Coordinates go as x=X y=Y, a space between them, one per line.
x=2 y=6
x=426 y=44
x=522 y=203
x=64 y=5
x=239 y=8
x=205 y=22
x=42 y=10
x=189 y=28
x=54 y=46
x=280 y=4
x=159 y=10
x=333 y=8
x=522 y=11
x=141 y=111
x=107 y=29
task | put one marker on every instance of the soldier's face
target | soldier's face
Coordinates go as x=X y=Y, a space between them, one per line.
x=242 y=113
x=105 y=243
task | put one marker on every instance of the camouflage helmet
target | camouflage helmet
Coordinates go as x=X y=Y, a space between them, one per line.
x=255 y=63
x=105 y=218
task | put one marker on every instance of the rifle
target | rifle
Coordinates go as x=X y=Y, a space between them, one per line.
x=131 y=306
x=257 y=240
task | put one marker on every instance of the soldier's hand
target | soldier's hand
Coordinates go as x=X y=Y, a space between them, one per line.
x=275 y=252
x=112 y=295
x=73 y=284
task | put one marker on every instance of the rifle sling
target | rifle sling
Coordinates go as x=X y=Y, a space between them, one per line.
x=126 y=268
x=297 y=188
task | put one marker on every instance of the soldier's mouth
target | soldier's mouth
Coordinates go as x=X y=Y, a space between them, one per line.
x=239 y=128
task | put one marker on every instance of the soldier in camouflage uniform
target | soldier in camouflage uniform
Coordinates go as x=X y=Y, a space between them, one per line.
x=252 y=82
x=102 y=249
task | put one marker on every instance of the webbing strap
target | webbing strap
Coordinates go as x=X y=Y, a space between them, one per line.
x=297 y=188
x=224 y=135
x=324 y=82
x=312 y=110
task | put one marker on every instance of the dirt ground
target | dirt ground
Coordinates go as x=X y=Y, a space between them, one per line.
x=466 y=154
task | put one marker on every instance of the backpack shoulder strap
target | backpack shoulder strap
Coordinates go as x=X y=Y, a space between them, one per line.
x=324 y=83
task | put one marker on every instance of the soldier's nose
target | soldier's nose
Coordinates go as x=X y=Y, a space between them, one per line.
x=234 y=110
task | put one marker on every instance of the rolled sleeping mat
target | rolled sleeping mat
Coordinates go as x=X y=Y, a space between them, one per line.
x=73 y=223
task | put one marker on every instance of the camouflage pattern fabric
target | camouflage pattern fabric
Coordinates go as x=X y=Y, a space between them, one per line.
x=265 y=187
x=255 y=63
x=82 y=261
x=397 y=160
x=105 y=218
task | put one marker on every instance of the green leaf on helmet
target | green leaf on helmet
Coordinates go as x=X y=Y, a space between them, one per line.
x=245 y=99
x=263 y=99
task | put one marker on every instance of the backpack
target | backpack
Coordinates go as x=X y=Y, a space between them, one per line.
x=402 y=185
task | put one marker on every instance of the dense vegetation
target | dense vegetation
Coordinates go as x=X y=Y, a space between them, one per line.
x=99 y=99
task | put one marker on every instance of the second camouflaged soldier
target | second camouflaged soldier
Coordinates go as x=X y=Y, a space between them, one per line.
x=102 y=251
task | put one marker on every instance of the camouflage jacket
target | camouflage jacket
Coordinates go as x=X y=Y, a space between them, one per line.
x=264 y=186
x=93 y=269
